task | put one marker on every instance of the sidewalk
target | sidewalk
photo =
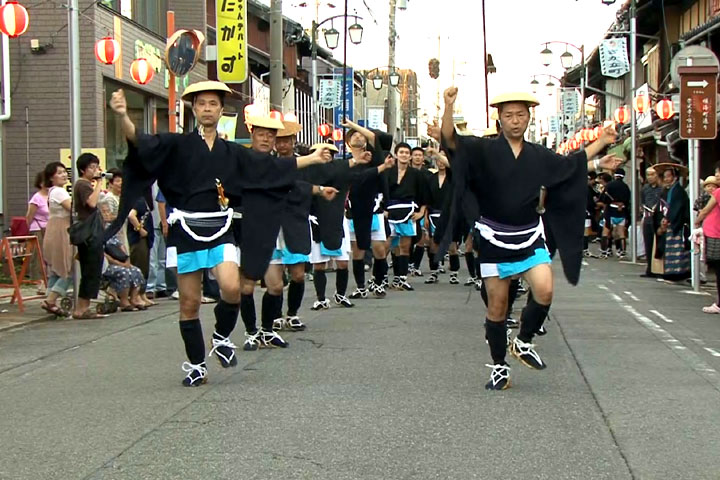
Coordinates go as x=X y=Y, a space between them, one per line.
x=10 y=316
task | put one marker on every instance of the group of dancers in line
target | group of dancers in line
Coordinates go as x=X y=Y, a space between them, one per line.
x=247 y=214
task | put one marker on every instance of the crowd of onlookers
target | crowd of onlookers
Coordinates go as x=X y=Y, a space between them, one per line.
x=130 y=267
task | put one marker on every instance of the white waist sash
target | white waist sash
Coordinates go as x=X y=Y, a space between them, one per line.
x=197 y=219
x=412 y=206
x=489 y=234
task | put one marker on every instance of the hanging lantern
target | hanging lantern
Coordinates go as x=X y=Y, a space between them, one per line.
x=107 y=50
x=586 y=132
x=641 y=103
x=622 y=115
x=596 y=132
x=337 y=135
x=141 y=71
x=14 y=19
x=665 y=109
x=290 y=117
x=578 y=136
x=276 y=115
x=324 y=130
x=574 y=144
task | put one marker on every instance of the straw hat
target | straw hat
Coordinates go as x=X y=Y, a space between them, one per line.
x=329 y=146
x=265 y=122
x=461 y=128
x=515 y=97
x=290 y=129
x=205 y=86
x=490 y=132
x=711 y=180
x=661 y=167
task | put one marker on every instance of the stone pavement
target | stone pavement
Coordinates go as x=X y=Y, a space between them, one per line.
x=390 y=389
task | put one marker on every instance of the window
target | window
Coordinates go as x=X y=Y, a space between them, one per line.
x=151 y=14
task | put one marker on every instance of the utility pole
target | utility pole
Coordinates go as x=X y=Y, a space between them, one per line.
x=392 y=102
x=75 y=121
x=276 y=55
x=633 y=133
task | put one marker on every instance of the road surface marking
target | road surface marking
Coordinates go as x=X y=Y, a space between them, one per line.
x=603 y=287
x=713 y=352
x=630 y=294
x=661 y=316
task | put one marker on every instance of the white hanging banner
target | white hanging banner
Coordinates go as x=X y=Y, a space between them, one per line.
x=614 y=61
x=330 y=93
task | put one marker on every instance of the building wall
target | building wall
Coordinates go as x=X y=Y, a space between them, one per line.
x=40 y=83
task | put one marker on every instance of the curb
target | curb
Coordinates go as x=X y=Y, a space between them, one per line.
x=14 y=325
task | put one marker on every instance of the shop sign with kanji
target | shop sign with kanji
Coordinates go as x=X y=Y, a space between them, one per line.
x=698 y=102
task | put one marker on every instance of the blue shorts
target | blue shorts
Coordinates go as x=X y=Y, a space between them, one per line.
x=374 y=226
x=405 y=229
x=189 y=262
x=286 y=257
x=510 y=269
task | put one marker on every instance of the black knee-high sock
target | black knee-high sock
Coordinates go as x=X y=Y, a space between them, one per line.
x=512 y=295
x=376 y=272
x=618 y=245
x=586 y=242
x=359 y=273
x=192 y=336
x=496 y=334
x=483 y=293
x=382 y=270
x=226 y=315
x=404 y=261
x=470 y=262
x=247 y=312
x=432 y=258
x=341 y=280
x=271 y=309
x=417 y=256
x=396 y=265
x=605 y=244
x=454 y=263
x=532 y=318
x=320 y=282
x=296 y=290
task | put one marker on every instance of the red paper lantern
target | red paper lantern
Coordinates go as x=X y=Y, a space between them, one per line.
x=248 y=110
x=14 y=19
x=324 y=130
x=107 y=50
x=141 y=71
x=586 y=132
x=622 y=115
x=276 y=115
x=574 y=144
x=337 y=135
x=665 y=109
x=578 y=136
x=641 y=103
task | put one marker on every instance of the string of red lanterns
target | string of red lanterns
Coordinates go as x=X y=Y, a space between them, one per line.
x=107 y=50
x=324 y=130
x=14 y=19
x=337 y=135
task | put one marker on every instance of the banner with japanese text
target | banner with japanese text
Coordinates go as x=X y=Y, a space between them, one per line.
x=232 y=48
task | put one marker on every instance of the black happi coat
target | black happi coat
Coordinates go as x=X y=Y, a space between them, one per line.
x=439 y=200
x=294 y=218
x=330 y=214
x=363 y=191
x=506 y=189
x=186 y=169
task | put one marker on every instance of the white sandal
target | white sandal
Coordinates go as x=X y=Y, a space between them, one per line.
x=712 y=309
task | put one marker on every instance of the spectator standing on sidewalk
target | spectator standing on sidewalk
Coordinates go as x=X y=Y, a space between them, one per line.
x=672 y=224
x=86 y=193
x=37 y=217
x=141 y=236
x=156 y=287
x=649 y=197
x=709 y=218
x=168 y=251
x=57 y=250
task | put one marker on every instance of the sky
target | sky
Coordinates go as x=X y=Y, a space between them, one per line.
x=451 y=30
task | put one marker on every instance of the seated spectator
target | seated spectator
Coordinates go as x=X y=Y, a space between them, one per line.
x=141 y=237
x=124 y=278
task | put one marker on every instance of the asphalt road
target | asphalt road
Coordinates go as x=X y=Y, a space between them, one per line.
x=391 y=389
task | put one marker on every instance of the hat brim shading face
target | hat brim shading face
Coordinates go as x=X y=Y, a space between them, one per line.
x=206 y=86
x=289 y=129
x=515 y=97
x=265 y=122
x=329 y=146
x=661 y=167
x=711 y=180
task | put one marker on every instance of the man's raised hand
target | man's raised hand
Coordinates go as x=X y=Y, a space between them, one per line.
x=450 y=96
x=433 y=130
x=118 y=102
x=329 y=193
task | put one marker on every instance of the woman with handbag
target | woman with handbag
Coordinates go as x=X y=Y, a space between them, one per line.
x=709 y=218
x=90 y=250
x=124 y=278
x=57 y=250
x=141 y=236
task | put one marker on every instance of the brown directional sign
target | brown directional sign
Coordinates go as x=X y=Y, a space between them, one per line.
x=698 y=99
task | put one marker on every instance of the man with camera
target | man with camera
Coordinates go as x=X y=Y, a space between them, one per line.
x=86 y=193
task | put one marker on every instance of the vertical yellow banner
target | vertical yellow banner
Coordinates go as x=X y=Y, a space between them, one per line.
x=232 y=51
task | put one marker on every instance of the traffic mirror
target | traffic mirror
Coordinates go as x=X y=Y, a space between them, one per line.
x=183 y=50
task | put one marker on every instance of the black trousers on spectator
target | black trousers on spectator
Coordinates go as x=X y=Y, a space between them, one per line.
x=91 y=262
x=649 y=238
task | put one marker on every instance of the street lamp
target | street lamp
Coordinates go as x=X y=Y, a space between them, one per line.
x=546 y=56
x=394 y=79
x=356 y=32
x=332 y=38
x=377 y=82
x=566 y=60
x=534 y=84
x=550 y=87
